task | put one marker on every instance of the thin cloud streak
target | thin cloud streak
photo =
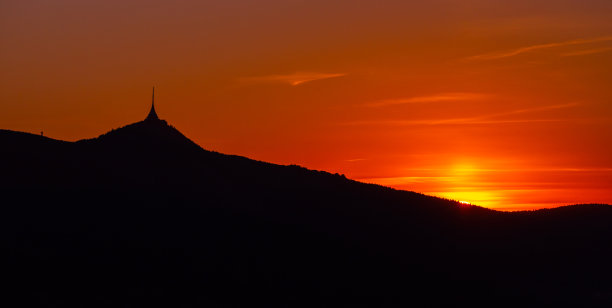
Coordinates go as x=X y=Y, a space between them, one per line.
x=459 y=121
x=522 y=50
x=486 y=119
x=534 y=109
x=402 y=180
x=295 y=78
x=441 y=97
x=497 y=170
x=587 y=52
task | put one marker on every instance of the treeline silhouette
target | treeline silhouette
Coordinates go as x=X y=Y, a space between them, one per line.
x=142 y=216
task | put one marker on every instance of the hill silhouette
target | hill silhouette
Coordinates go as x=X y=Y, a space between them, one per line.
x=143 y=216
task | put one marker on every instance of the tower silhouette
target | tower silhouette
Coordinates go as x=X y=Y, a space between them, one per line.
x=152 y=114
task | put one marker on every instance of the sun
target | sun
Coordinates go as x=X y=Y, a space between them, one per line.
x=472 y=196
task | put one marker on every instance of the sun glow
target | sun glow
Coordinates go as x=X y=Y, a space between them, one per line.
x=481 y=198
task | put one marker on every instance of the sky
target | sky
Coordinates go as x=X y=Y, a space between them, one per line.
x=503 y=104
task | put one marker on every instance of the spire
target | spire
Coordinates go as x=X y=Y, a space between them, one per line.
x=152 y=114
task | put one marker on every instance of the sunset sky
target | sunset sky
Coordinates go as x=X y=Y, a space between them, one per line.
x=504 y=104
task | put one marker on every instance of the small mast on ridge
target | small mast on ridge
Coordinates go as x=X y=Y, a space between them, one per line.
x=152 y=114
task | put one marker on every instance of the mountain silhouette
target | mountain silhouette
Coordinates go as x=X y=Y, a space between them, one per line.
x=143 y=216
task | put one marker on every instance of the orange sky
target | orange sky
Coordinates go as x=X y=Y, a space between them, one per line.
x=505 y=104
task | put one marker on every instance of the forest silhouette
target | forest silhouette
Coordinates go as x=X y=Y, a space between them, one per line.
x=143 y=216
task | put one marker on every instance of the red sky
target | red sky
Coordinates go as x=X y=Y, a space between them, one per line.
x=505 y=104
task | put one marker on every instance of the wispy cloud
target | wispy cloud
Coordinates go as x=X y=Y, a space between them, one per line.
x=534 y=109
x=526 y=49
x=586 y=52
x=484 y=119
x=295 y=78
x=403 y=180
x=440 y=97
x=454 y=121
x=513 y=169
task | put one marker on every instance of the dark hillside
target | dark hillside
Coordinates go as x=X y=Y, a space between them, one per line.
x=142 y=216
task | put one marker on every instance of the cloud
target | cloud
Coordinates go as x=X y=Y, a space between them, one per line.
x=484 y=119
x=403 y=180
x=586 y=52
x=522 y=50
x=295 y=78
x=454 y=121
x=513 y=169
x=441 y=97
x=534 y=109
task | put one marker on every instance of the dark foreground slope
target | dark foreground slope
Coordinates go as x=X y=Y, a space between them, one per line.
x=142 y=216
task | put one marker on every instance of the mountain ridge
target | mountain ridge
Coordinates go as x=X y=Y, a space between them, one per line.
x=155 y=131
x=145 y=216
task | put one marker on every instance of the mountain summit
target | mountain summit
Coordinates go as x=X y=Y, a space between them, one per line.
x=143 y=216
x=151 y=134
